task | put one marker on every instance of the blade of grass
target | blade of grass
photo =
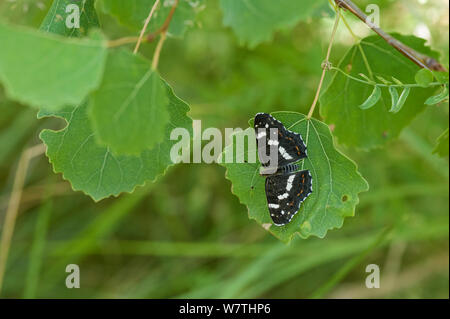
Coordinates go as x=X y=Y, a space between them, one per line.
x=314 y=255
x=425 y=150
x=14 y=203
x=87 y=241
x=37 y=250
x=350 y=265
x=402 y=191
x=177 y=249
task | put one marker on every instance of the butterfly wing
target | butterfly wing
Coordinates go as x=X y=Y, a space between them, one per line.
x=291 y=147
x=285 y=193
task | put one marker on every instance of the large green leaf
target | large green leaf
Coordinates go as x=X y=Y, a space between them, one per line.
x=255 y=21
x=44 y=70
x=55 y=20
x=129 y=110
x=336 y=182
x=132 y=13
x=96 y=171
x=442 y=144
x=374 y=126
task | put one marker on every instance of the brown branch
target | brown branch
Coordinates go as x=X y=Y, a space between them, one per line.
x=420 y=59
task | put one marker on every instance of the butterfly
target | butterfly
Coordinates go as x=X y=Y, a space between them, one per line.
x=286 y=186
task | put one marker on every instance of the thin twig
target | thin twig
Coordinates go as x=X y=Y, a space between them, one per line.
x=358 y=43
x=13 y=206
x=325 y=65
x=122 y=41
x=421 y=60
x=158 y=50
x=415 y=85
x=165 y=25
x=147 y=21
x=149 y=38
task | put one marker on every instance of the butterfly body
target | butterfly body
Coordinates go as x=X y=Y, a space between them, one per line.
x=286 y=187
x=283 y=170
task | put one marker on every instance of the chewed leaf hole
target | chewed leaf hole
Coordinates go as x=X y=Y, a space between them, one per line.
x=344 y=198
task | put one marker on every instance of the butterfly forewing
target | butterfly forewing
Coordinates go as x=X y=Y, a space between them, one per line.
x=285 y=193
x=290 y=145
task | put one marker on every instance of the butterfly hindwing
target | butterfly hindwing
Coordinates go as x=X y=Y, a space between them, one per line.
x=285 y=193
x=291 y=147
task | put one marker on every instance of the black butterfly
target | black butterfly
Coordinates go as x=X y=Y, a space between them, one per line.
x=286 y=187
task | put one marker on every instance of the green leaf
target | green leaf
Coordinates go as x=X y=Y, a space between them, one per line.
x=436 y=99
x=255 y=21
x=130 y=109
x=371 y=128
x=394 y=97
x=336 y=182
x=44 y=70
x=424 y=77
x=133 y=13
x=96 y=171
x=442 y=145
x=372 y=99
x=401 y=100
x=55 y=20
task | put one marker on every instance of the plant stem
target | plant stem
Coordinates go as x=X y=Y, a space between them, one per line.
x=151 y=36
x=122 y=41
x=415 y=85
x=13 y=205
x=325 y=65
x=358 y=44
x=165 y=25
x=157 y=53
x=147 y=21
x=420 y=59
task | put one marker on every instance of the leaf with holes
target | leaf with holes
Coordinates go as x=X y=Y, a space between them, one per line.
x=374 y=126
x=93 y=168
x=336 y=181
x=50 y=71
x=129 y=110
x=63 y=11
x=255 y=21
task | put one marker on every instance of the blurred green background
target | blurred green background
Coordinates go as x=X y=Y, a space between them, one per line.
x=186 y=235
